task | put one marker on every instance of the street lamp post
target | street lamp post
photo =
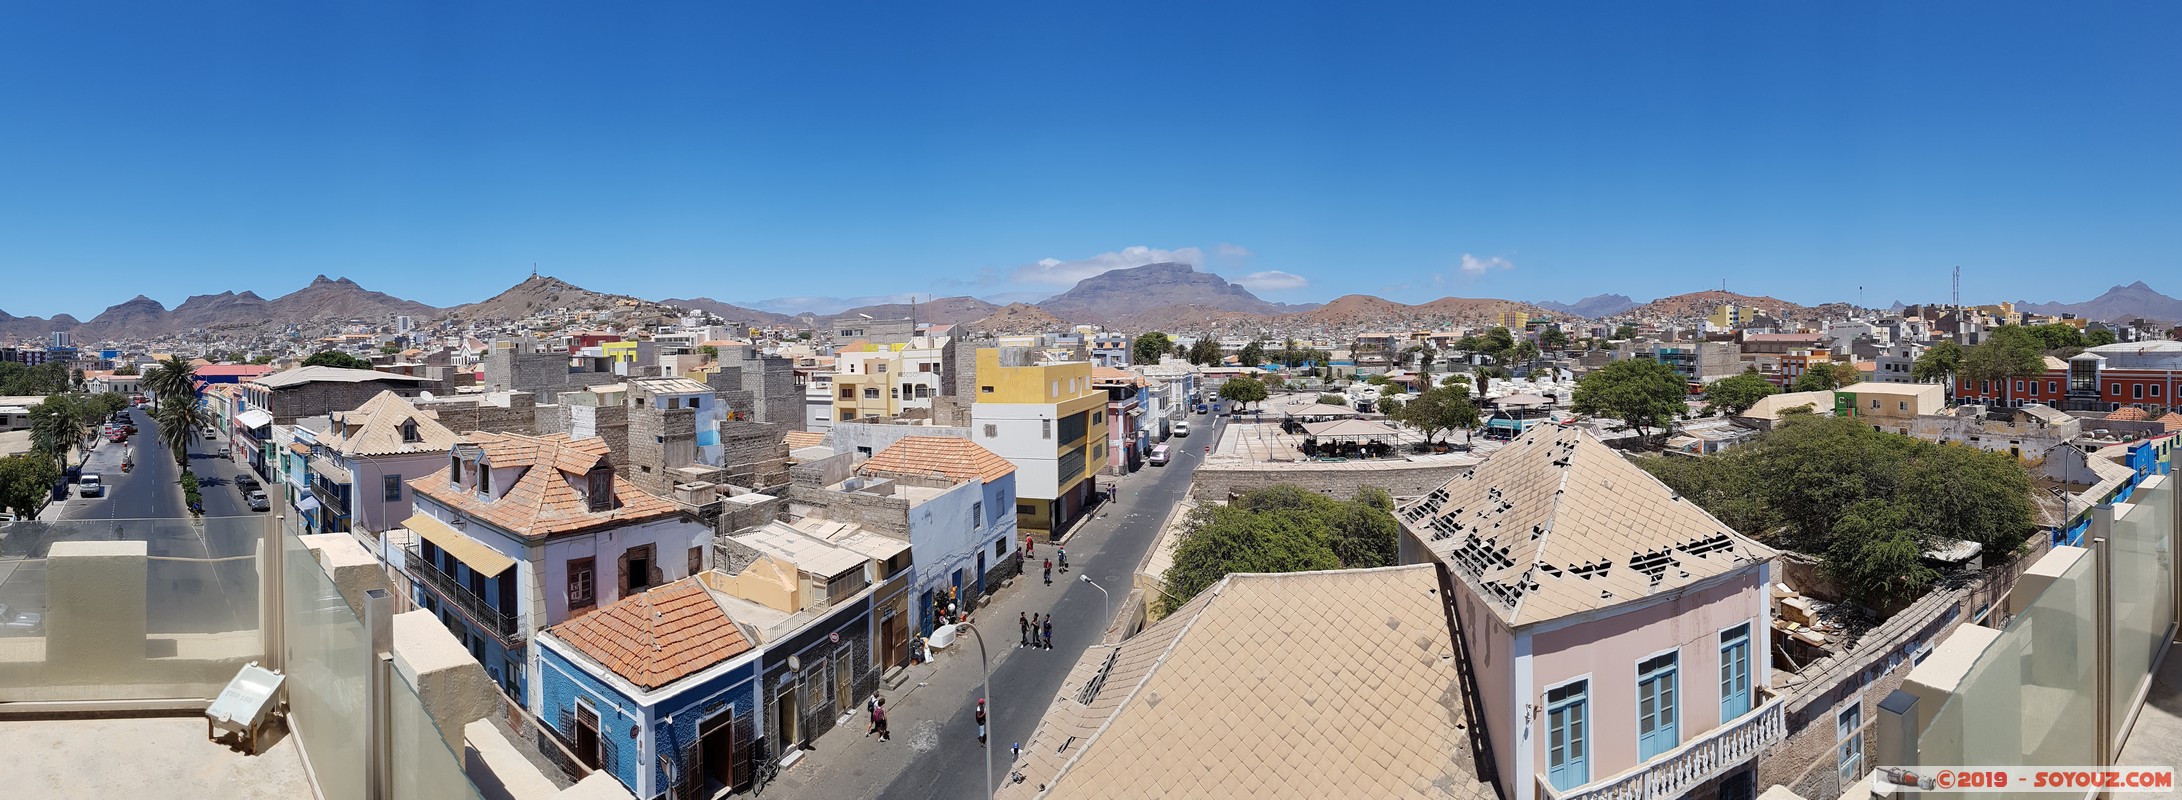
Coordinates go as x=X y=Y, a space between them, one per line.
x=991 y=710
x=1104 y=595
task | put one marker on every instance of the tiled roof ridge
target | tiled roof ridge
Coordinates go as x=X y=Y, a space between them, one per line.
x=1553 y=512
x=1210 y=594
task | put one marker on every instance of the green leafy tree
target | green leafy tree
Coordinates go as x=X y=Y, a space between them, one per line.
x=56 y=427
x=125 y=368
x=26 y=483
x=1467 y=344
x=1625 y=332
x=1556 y=338
x=1376 y=380
x=2098 y=338
x=2055 y=336
x=2011 y=353
x=1496 y=341
x=1437 y=411
x=1333 y=399
x=104 y=404
x=1816 y=379
x=1642 y=393
x=22 y=380
x=1523 y=352
x=1939 y=363
x=1148 y=347
x=389 y=348
x=1252 y=354
x=1456 y=379
x=1877 y=555
x=709 y=351
x=1243 y=389
x=1735 y=395
x=1204 y=352
x=1281 y=528
x=335 y=358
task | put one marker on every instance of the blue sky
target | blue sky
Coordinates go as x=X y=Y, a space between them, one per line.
x=799 y=152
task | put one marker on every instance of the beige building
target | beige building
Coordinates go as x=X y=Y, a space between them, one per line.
x=2026 y=432
x=1889 y=407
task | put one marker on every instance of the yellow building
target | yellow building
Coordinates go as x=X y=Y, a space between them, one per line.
x=1048 y=421
x=1514 y=321
x=1725 y=316
x=624 y=352
x=1889 y=407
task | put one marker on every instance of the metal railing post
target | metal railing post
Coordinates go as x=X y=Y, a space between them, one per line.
x=2102 y=615
x=272 y=594
x=379 y=696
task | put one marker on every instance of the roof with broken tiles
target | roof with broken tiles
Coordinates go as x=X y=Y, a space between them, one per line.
x=1303 y=685
x=378 y=428
x=956 y=458
x=1557 y=523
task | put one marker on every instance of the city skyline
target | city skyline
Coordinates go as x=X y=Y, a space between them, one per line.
x=806 y=163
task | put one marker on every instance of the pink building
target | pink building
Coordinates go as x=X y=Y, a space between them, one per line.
x=1618 y=635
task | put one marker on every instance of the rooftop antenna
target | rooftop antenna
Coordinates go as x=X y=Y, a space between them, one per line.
x=1958 y=287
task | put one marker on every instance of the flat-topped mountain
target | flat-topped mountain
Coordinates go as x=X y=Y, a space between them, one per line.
x=1121 y=292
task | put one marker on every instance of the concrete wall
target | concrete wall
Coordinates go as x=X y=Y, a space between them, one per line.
x=511 y=412
x=1400 y=479
x=323 y=397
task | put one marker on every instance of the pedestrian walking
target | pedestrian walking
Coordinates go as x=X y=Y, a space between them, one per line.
x=1049 y=572
x=1030 y=545
x=1062 y=554
x=872 y=707
x=878 y=717
x=1023 y=621
x=981 y=722
x=1049 y=632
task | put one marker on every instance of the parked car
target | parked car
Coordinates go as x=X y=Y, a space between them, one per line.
x=258 y=501
x=246 y=484
x=14 y=621
x=1181 y=429
x=1160 y=456
x=89 y=485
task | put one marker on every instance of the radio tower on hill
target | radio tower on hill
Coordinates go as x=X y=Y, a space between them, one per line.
x=1958 y=288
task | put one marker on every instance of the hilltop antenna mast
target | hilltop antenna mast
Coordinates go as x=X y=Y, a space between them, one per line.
x=1958 y=288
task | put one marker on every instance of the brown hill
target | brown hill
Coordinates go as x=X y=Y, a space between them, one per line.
x=1698 y=304
x=324 y=299
x=1365 y=311
x=540 y=294
x=1190 y=319
x=938 y=310
x=732 y=312
x=1121 y=292
x=1018 y=318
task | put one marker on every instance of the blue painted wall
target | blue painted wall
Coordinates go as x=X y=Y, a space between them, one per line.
x=562 y=680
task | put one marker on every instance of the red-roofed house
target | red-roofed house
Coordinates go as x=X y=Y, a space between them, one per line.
x=518 y=533
x=658 y=689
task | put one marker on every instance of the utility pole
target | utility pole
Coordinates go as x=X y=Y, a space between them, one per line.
x=1958 y=288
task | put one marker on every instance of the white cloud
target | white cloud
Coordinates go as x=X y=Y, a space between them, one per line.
x=1474 y=266
x=1234 y=251
x=1272 y=280
x=1055 y=272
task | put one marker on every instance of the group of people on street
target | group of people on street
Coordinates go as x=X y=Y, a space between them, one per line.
x=1037 y=632
x=1049 y=565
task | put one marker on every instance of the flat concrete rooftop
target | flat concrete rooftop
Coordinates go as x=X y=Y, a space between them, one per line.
x=146 y=759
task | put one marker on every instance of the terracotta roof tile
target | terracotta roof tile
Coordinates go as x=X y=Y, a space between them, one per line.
x=1257 y=685
x=800 y=439
x=375 y=428
x=957 y=458
x=657 y=637
x=1557 y=523
x=2129 y=414
x=543 y=502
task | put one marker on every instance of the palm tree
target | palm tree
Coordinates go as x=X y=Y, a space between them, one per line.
x=55 y=427
x=178 y=426
x=173 y=379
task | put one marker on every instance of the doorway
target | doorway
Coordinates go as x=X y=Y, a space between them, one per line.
x=716 y=753
x=894 y=640
x=788 y=717
x=843 y=703
x=587 y=735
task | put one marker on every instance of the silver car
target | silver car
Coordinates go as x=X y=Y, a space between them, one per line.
x=258 y=501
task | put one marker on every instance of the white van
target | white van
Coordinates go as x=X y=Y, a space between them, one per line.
x=1160 y=456
x=1181 y=429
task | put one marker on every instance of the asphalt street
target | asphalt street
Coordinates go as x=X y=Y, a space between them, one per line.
x=934 y=753
x=202 y=576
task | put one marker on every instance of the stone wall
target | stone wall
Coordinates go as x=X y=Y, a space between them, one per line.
x=659 y=440
x=889 y=514
x=516 y=412
x=754 y=454
x=325 y=397
x=1403 y=479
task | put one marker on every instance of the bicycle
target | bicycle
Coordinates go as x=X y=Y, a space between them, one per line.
x=767 y=768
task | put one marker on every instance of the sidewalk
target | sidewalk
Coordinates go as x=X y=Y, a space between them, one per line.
x=934 y=752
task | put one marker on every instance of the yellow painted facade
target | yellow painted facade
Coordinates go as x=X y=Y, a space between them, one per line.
x=860 y=395
x=619 y=351
x=1067 y=389
x=1726 y=316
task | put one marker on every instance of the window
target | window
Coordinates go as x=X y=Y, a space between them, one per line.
x=863 y=452
x=1656 y=732
x=985 y=390
x=847 y=415
x=1565 y=742
x=2019 y=386
x=1024 y=510
x=894 y=393
x=638 y=575
x=582 y=591
x=1875 y=402
x=871 y=392
x=977 y=513
x=409 y=432
x=391 y=488
x=2155 y=390
x=1734 y=672
x=484 y=480
x=924 y=392
x=991 y=431
x=848 y=392
x=1000 y=548
x=1098 y=417
x=696 y=560
x=1053 y=389
x=454 y=470
x=1849 y=731
x=599 y=489
x=2114 y=389
x=1045 y=427
x=1902 y=406
x=2053 y=387
x=882 y=369
x=2136 y=391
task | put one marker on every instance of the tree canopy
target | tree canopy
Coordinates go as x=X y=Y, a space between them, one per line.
x=1436 y=411
x=1825 y=377
x=2098 y=337
x=335 y=358
x=23 y=380
x=2010 y=353
x=1149 y=347
x=26 y=483
x=1735 y=395
x=1280 y=528
x=1252 y=354
x=1940 y=363
x=1243 y=389
x=1867 y=504
x=2055 y=336
x=1204 y=352
x=1642 y=393
x=1625 y=332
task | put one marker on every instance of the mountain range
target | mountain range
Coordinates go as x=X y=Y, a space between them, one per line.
x=1165 y=296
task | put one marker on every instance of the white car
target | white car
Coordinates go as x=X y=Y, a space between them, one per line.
x=1181 y=429
x=89 y=486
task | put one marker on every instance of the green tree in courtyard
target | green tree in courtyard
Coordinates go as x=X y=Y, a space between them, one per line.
x=1243 y=389
x=1437 y=411
x=1735 y=395
x=1149 y=347
x=2098 y=337
x=1280 y=528
x=1252 y=354
x=1939 y=363
x=1642 y=393
x=2010 y=354
x=335 y=358
x=26 y=483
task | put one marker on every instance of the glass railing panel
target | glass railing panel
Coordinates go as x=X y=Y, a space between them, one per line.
x=2143 y=555
x=425 y=765
x=2031 y=699
x=328 y=659
x=127 y=609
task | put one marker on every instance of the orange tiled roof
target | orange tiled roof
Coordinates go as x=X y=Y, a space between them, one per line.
x=543 y=502
x=2129 y=414
x=956 y=458
x=659 y=636
x=2172 y=420
x=800 y=439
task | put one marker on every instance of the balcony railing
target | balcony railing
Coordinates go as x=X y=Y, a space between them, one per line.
x=1689 y=766
x=500 y=624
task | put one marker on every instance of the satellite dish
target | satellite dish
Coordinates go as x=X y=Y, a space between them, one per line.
x=794 y=664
